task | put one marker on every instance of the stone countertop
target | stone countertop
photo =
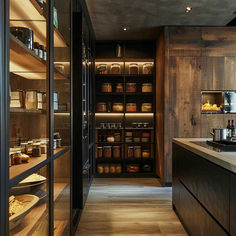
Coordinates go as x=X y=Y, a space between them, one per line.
x=226 y=160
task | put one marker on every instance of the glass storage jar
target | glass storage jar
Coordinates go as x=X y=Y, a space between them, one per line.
x=106 y=169
x=116 y=151
x=130 y=152
x=146 y=107
x=118 y=169
x=102 y=69
x=29 y=148
x=110 y=139
x=147 y=68
x=101 y=107
x=118 y=107
x=107 y=151
x=100 y=169
x=112 y=169
x=43 y=147
x=23 y=147
x=145 y=153
x=106 y=88
x=117 y=137
x=145 y=137
x=131 y=87
x=131 y=107
x=133 y=69
x=137 y=152
x=36 y=151
x=119 y=88
x=99 y=152
x=146 y=88
x=115 y=69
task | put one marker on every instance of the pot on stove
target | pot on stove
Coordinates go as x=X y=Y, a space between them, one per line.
x=219 y=134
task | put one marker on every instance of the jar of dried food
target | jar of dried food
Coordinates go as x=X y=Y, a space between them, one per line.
x=137 y=152
x=115 y=68
x=147 y=68
x=24 y=147
x=29 y=148
x=107 y=151
x=131 y=107
x=119 y=88
x=99 y=152
x=131 y=87
x=106 y=88
x=116 y=151
x=112 y=169
x=110 y=139
x=146 y=107
x=145 y=153
x=133 y=69
x=54 y=144
x=132 y=168
x=146 y=88
x=100 y=169
x=118 y=169
x=36 y=151
x=17 y=158
x=106 y=169
x=41 y=51
x=101 y=107
x=117 y=137
x=130 y=152
x=118 y=107
x=102 y=69
x=43 y=146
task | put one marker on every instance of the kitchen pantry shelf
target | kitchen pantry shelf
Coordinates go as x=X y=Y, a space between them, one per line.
x=32 y=67
x=26 y=111
x=27 y=13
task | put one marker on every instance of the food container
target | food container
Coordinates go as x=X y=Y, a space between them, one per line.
x=54 y=144
x=119 y=88
x=100 y=169
x=146 y=168
x=145 y=137
x=146 y=125
x=115 y=69
x=128 y=134
x=118 y=169
x=100 y=152
x=58 y=140
x=118 y=107
x=146 y=107
x=116 y=151
x=131 y=87
x=117 y=137
x=41 y=51
x=137 y=152
x=31 y=100
x=17 y=158
x=102 y=69
x=133 y=69
x=131 y=107
x=60 y=67
x=107 y=151
x=110 y=139
x=145 y=153
x=146 y=88
x=128 y=139
x=36 y=48
x=137 y=139
x=24 y=147
x=106 y=88
x=130 y=152
x=40 y=100
x=132 y=168
x=106 y=169
x=29 y=148
x=112 y=169
x=147 y=68
x=16 y=99
x=43 y=146
x=25 y=35
x=36 y=150
x=101 y=107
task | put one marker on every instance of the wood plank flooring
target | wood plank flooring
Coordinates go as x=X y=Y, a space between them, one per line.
x=117 y=207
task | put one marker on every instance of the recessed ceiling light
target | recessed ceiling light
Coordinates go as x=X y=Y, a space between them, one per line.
x=124 y=29
x=188 y=9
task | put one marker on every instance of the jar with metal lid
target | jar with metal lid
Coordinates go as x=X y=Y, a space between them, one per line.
x=107 y=151
x=131 y=87
x=133 y=69
x=24 y=147
x=130 y=152
x=137 y=152
x=118 y=107
x=102 y=69
x=99 y=152
x=115 y=68
x=146 y=88
x=36 y=151
x=106 y=88
x=147 y=68
x=131 y=107
x=116 y=151
x=146 y=107
x=119 y=88
x=29 y=148
x=145 y=153
x=106 y=169
x=117 y=137
x=101 y=107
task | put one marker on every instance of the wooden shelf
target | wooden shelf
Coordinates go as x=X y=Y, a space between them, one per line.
x=25 y=111
x=115 y=59
x=31 y=219
x=16 y=170
x=27 y=13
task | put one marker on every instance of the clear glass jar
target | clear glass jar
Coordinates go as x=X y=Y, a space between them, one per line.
x=119 y=88
x=101 y=107
x=145 y=153
x=107 y=151
x=116 y=151
x=146 y=88
x=131 y=87
x=118 y=107
x=106 y=169
x=117 y=137
x=100 y=152
x=133 y=69
x=100 y=169
x=23 y=147
x=29 y=148
x=36 y=151
x=102 y=69
x=43 y=146
x=130 y=152
x=131 y=107
x=118 y=169
x=137 y=152
x=115 y=69
x=112 y=169
x=147 y=68
x=106 y=88
x=146 y=107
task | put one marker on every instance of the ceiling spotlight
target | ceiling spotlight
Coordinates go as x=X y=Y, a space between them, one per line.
x=124 y=29
x=188 y=9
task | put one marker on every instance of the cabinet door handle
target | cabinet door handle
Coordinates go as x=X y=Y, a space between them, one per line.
x=193 y=121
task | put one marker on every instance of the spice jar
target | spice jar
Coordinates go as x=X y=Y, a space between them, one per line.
x=118 y=169
x=146 y=88
x=146 y=107
x=130 y=153
x=106 y=169
x=102 y=69
x=107 y=151
x=131 y=107
x=100 y=169
x=131 y=87
x=133 y=69
x=115 y=69
x=117 y=137
x=112 y=169
x=100 y=152
x=101 y=107
x=145 y=153
x=119 y=88
x=137 y=152
x=116 y=151
x=36 y=151
x=147 y=68
x=118 y=107
x=106 y=88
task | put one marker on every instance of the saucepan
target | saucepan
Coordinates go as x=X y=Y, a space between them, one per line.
x=219 y=134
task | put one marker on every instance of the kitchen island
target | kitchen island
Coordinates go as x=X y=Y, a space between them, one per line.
x=204 y=187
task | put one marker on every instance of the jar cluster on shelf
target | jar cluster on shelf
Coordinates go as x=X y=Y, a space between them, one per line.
x=109 y=168
x=137 y=137
x=109 y=152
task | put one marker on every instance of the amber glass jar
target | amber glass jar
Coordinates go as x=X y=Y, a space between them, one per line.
x=100 y=152
x=146 y=107
x=118 y=169
x=106 y=169
x=131 y=107
x=131 y=87
x=112 y=169
x=107 y=151
x=118 y=107
x=119 y=88
x=130 y=152
x=115 y=69
x=101 y=107
x=116 y=151
x=146 y=88
x=137 y=152
x=106 y=88
x=133 y=69
x=100 y=169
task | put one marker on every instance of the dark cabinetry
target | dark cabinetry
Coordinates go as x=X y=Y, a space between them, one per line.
x=233 y=205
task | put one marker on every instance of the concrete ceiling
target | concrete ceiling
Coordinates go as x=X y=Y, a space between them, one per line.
x=142 y=17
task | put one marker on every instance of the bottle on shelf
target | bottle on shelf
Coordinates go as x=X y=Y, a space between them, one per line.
x=229 y=129
x=232 y=128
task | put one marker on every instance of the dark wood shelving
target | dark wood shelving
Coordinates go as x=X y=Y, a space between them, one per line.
x=139 y=143
x=109 y=143
x=126 y=175
x=138 y=160
x=101 y=160
x=26 y=111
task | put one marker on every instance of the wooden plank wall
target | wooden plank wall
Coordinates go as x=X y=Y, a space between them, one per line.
x=196 y=58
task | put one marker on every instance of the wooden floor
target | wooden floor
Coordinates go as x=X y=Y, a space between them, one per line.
x=129 y=207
